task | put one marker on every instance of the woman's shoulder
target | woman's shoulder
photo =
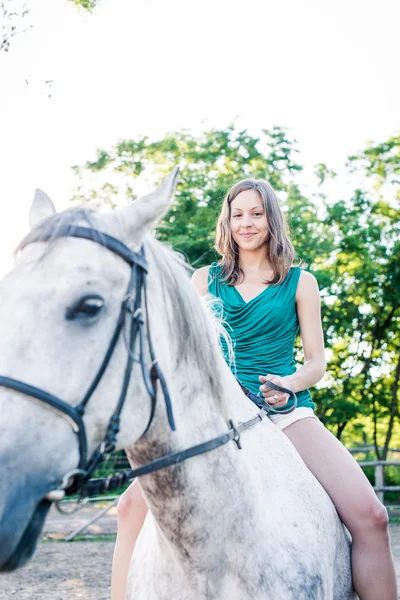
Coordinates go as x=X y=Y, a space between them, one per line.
x=206 y=278
x=306 y=277
x=307 y=283
x=200 y=279
x=298 y=272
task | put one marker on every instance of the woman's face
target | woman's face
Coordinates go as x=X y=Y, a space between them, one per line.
x=248 y=220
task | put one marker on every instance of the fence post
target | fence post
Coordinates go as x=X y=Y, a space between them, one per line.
x=380 y=481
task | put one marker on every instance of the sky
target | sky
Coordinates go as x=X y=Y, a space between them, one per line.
x=326 y=70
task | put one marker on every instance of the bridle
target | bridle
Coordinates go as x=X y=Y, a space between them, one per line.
x=133 y=326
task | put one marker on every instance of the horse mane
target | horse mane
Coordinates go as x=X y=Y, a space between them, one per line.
x=190 y=320
x=193 y=325
x=50 y=229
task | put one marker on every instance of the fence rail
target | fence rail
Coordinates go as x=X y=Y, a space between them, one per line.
x=120 y=462
x=380 y=487
x=369 y=448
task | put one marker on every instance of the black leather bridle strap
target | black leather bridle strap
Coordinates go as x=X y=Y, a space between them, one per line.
x=130 y=317
x=135 y=326
x=156 y=371
x=100 y=486
x=59 y=405
x=93 y=235
x=82 y=405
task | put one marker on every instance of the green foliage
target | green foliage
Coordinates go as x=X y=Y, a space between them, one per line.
x=362 y=317
x=323 y=173
x=352 y=246
x=380 y=160
x=88 y=5
x=210 y=163
x=14 y=18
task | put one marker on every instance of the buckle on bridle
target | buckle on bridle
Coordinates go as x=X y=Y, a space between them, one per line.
x=236 y=435
x=128 y=304
x=69 y=479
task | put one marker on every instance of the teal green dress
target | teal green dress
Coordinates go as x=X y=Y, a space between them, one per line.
x=263 y=330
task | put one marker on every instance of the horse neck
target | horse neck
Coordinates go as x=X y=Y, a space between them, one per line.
x=204 y=393
x=183 y=498
x=200 y=416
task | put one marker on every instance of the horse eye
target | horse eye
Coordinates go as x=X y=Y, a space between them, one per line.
x=85 y=308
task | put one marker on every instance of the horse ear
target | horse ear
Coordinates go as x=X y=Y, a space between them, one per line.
x=152 y=207
x=42 y=208
x=146 y=210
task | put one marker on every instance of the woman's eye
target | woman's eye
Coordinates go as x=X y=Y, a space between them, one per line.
x=258 y=214
x=235 y=216
x=86 y=308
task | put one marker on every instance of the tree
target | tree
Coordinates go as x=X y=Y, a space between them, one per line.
x=86 y=5
x=351 y=245
x=382 y=162
x=14 y=15
x=362 y=317
x=210 y=163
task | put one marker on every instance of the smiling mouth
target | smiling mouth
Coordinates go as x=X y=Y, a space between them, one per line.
x=247 y=235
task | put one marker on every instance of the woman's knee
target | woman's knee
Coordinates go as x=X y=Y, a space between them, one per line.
x=131 y=502
x=371 y=518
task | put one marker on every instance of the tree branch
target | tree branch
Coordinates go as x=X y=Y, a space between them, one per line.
x=10 y=27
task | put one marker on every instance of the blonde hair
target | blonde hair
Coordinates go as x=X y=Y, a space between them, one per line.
x=279 y=250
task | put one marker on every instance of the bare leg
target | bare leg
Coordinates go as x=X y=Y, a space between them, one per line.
x=363 y=514
x=132 y=509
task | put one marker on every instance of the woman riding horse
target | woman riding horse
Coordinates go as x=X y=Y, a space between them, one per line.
x=265 y=300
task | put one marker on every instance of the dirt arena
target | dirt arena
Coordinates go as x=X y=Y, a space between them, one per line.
x=81 y=570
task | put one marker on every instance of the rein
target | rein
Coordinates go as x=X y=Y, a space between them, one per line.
x=101 y=485
x=130 y=326
x=95 y=487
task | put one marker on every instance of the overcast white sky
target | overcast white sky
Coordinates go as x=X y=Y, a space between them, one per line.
x=327 y=70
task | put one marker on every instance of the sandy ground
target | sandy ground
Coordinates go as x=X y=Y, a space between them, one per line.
x=81 y=570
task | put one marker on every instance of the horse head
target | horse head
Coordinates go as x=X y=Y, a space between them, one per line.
x=66 y=317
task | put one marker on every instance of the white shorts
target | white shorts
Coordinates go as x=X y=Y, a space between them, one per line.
x=283 y=421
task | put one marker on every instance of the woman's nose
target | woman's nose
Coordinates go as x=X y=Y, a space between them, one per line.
x=247 y=221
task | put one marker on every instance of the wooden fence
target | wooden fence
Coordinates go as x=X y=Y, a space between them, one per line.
x=120 y=462
x=380 y=487
x=379 y=465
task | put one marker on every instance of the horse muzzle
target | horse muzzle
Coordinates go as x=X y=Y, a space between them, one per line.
x=23 y=510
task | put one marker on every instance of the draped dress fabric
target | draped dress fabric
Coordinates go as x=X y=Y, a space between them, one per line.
x=263 y=330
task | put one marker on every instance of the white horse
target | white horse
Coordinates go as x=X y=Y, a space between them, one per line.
x=237 y=524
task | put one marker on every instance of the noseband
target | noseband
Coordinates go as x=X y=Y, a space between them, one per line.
x=130 y=325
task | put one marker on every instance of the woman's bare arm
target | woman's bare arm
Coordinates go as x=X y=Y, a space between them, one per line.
x=200 y=280
x=309 y=314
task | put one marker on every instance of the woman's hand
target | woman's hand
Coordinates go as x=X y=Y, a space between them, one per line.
x=273 y=397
